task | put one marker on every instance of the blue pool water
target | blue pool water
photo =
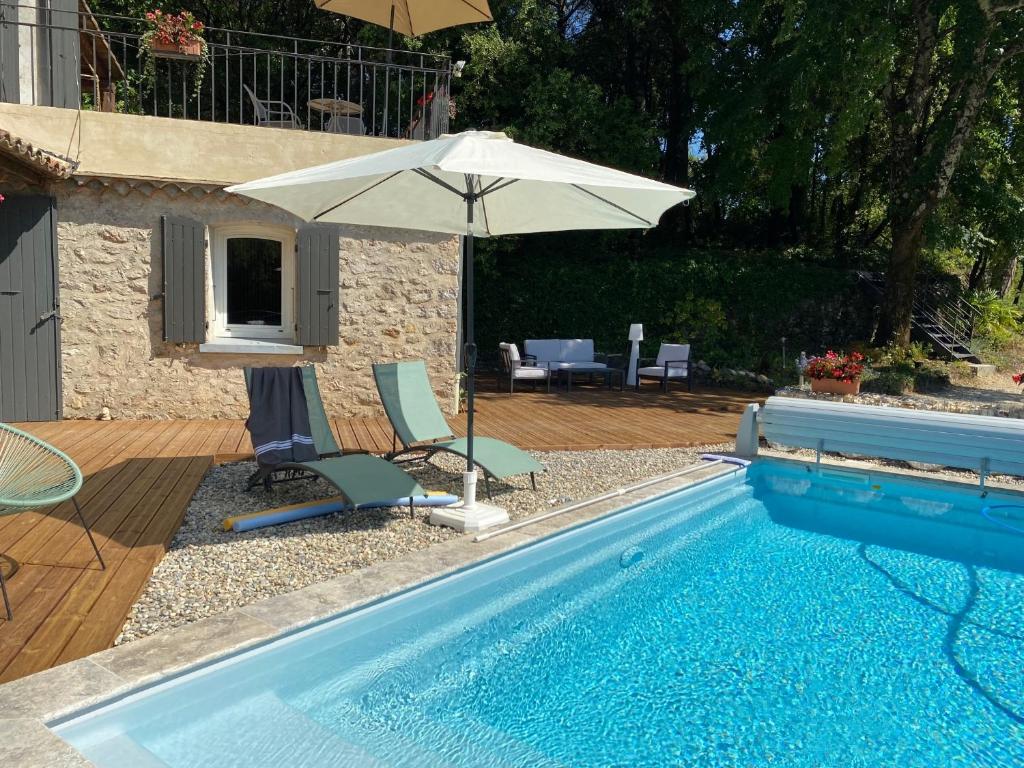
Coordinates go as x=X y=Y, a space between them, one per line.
x=779 y=617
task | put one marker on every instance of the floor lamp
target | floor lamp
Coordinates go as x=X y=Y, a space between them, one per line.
x=636 y=335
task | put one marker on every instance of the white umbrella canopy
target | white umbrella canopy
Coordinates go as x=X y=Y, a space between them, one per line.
x=425 y=186
x=476 y=184
x=412 y=17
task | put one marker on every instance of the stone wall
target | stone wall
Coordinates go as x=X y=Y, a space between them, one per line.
x=399 y=300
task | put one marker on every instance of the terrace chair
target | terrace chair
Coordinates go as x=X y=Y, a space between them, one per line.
x=359 y=477
x=673 y=364
x=523 y=368
x=34 y=474
x=421 y=427
x=273 y=114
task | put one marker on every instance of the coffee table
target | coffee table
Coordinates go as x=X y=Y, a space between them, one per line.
x=593 y=370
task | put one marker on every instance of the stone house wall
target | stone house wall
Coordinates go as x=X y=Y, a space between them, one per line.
x=399 y=300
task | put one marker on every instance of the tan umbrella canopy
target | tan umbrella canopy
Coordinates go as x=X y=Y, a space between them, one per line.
x=412 y=17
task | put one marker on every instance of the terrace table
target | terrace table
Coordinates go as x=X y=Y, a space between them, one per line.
x=345 y=116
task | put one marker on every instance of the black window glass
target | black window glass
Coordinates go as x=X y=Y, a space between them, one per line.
x=254 y=281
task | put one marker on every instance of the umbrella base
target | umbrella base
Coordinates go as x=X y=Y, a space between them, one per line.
x=472 y=515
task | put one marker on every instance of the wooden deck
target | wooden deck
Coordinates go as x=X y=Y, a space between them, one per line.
x=140 y=476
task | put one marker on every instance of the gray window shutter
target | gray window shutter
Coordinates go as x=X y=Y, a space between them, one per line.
x=184 y=246
x=65 y=70
x=10 y=86
x=317 y=285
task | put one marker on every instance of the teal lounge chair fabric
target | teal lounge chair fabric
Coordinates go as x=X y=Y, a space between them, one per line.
x=419 y=424
x=359 y=478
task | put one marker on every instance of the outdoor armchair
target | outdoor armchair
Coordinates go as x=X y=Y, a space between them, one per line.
x=673 y=364
x=418 y=423
x=33 y=475
x=522 y=368
x=273 y=114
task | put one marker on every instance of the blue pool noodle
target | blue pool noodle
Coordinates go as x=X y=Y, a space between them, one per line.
x=272 y=517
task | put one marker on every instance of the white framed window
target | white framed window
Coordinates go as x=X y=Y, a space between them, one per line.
x=254 y=282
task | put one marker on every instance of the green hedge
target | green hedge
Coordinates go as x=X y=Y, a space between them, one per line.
x=735 y=306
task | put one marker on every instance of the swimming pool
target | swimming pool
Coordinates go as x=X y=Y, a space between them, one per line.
x=784 y=615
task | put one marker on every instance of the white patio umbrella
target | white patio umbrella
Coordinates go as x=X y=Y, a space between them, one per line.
x=475 y=184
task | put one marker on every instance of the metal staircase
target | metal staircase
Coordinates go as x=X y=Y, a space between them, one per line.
x=945 y=319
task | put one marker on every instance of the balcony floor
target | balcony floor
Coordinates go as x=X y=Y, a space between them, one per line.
x=141 y=475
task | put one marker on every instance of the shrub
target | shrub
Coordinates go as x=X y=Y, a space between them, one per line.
x=930 y=377
x=998 y=321
x=890 y=381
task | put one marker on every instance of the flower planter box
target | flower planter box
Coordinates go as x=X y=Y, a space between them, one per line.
x=175 y=50
x=835 y=386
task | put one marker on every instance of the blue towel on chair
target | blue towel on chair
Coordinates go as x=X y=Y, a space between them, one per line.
x=278 y=419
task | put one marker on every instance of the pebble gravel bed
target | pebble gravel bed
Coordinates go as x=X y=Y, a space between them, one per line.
x=208 y=571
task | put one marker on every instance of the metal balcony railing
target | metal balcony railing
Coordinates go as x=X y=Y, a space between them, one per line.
x=82 y=60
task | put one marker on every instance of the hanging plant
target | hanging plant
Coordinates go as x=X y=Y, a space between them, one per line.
x=174 y=36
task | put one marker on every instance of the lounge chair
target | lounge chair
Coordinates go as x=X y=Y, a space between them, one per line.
x=522 y=368
x=673 y=364
x=34 y=474
x=359 y=477
x=421 y=427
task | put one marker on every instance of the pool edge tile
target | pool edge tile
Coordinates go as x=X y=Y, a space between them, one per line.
x=152 y=658
x=77 y=685
x=27 y=743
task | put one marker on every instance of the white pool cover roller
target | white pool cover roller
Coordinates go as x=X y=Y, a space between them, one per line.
x=985 y=444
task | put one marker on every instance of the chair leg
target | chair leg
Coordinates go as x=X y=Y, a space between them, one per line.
x=533 y=480
x=7 y=602
x=487 y=485
x=88 y=533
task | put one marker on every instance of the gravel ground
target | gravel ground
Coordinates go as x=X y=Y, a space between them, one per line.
x=207 y=571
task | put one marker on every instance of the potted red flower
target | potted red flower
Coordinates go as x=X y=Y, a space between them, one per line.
x=174 y=34
x=837 y=374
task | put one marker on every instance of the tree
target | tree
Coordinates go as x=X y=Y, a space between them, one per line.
x=943 y=74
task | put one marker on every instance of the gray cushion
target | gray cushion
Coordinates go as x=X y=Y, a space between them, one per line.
x=576 y=350
x=673 y=352
x=529 y=372
x=544 y=349
x=568 y=366
x=659 y=371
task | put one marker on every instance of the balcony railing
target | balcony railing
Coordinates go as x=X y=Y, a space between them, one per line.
x=76 y=59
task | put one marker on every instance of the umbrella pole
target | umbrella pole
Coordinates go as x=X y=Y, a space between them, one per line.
x=470 y=356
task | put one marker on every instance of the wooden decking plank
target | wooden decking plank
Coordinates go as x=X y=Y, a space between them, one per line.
x=113 y=604
x=161 y=479
x=347 y=437
x=52 y=520
x=381 y=437
x=363 y=440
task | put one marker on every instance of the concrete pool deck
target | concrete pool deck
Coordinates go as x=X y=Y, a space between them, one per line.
x=28 y=704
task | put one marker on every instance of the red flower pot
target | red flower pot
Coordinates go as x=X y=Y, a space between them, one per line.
x=835 y=386
x=176 y=50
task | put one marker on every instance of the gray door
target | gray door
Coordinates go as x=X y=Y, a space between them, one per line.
x=29 y=310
